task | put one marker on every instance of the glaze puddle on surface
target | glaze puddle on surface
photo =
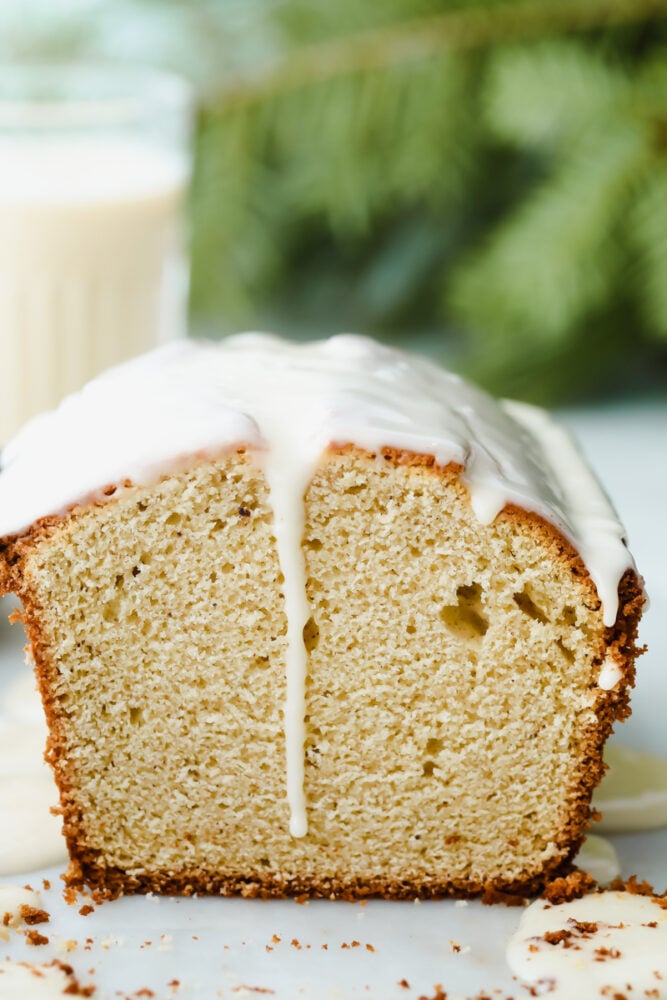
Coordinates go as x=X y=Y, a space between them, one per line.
x=34 y=982
x=609 y=944
x=13 y=899
x=632 y=796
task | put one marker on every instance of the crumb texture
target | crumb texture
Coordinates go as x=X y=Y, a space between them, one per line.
x=454 y=722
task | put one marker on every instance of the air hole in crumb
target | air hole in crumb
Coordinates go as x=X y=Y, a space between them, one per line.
x=465 y=619
x=311 y=635
x=265 y=863
x=569 y=616
x=111 y=610
x=427 y=769
x=213 y=576
x=434 y=745
x=174 y=518
x=567 y=653
x=136 y=716
x=217 y=525
x=135 y=571
x=244 y=512
x=227 y=567
x=315 y=544
x=142 y=505
x=411 y=629
x=353 y=490
x=525 y=603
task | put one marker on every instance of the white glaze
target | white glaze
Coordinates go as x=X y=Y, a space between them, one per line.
x=30 y=836
x=591 y=522
x=598 y=857
x=22 y=749
x=287 y=403
x=577 y=971
x=32 y=982
x=610 y=674
x=21 y=702
x=12 y=899
x=632 y=796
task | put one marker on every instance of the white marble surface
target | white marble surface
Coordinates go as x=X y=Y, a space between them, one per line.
x=216 y=947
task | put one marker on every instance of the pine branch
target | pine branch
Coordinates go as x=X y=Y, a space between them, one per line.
x=541 y=94
x=343 y=155
x=412 y=41
x=557 y=256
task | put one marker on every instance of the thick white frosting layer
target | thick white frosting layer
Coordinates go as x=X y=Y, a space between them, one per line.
x=288 y=402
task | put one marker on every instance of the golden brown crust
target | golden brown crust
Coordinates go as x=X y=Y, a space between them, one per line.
x=85 y=868
x=114 y=882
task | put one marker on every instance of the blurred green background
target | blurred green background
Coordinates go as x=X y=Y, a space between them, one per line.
x=483 y=180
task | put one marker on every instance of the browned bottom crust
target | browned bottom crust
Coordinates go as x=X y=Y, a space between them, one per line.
x=110 y=883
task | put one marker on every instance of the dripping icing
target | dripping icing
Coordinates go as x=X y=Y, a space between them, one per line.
x=287 y=402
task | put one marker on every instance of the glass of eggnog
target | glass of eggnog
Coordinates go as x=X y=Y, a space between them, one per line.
x=94 y=167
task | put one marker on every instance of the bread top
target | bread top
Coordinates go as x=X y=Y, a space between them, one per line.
x=288 y=402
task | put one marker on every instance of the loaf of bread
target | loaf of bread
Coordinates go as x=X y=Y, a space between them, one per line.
x=317 y=619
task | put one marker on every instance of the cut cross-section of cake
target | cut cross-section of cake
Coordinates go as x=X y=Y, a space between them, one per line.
x=316 y=619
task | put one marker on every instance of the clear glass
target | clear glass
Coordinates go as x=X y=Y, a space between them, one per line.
x=94 y=168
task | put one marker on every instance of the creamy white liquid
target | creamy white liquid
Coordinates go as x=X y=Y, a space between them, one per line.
x=91 y=263
x=625 y=954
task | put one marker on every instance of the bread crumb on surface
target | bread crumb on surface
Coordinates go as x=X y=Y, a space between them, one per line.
x=35 y=939
x=33 y=915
